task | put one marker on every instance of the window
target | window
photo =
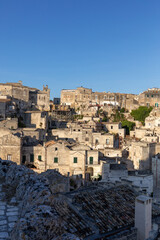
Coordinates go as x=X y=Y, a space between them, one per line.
x=24 y=159
x=91 y=160
x=75 y=160
x=156 y=104
x=39 y=157
x=96 y=142
x=56 y=148
x=31 y=157
x=9 y=157
x=111 y=127
x=56 y=160
x=107 y=141
x=86 y=139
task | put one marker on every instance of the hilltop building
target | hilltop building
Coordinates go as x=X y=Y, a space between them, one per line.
x=82 y=97
x=150 y=97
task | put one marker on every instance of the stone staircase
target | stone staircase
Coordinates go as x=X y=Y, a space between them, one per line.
x=8 y=215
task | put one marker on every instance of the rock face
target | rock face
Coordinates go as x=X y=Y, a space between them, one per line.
x=38 y=218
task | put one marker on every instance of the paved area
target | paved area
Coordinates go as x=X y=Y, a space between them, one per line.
x=8 y=216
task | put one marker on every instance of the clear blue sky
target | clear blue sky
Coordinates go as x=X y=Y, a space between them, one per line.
x=106 y=45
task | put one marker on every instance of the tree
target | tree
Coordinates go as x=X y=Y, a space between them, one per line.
x=128 y=126
x=104 y=119
x=122 y=110
x=141 y=113
x=118 y=117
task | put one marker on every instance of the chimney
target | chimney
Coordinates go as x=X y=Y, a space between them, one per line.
x=143 y=216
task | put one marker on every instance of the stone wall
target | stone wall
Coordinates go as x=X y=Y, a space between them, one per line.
x=36 y=119
x=10 y=148
x=9 y=123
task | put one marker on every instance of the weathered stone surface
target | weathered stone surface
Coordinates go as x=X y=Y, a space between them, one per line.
x=12 y=213
x=35 y=217
x=3 y=222
x=1 y=212
x=4 y=234
x=11 y=209
x=3 y=228
x=2 y=208
x=12 y=218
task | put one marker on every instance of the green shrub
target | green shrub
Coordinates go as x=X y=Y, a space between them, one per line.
x=141 y=113
x=128 y=126
x=122 y=110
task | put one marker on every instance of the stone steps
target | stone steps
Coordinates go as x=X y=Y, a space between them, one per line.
x=8 y=217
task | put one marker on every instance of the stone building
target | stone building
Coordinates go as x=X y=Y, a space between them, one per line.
x=113 y=172
x=76 y=98
x=25 y=97
x=96 y=140
x=35 y=119
x=150 y=138
x=140 y=133
x=33 y=156
x=116 y=128
x=31 y=135
x=141 y=153
x=141 y=180
x=112 y=152
x=6 y=107
x=152 y=122
x=23 y=145
x=10 y=148
x=17 y=92
x=82 y=97
x=40 y=99
x=150 y=97
x=156 y=170
x=76 y=160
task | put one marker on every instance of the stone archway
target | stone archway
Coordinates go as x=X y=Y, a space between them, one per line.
x=89 y=173
x=77 y=171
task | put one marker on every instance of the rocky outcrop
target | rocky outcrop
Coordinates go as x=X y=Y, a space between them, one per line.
x=38 y=218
